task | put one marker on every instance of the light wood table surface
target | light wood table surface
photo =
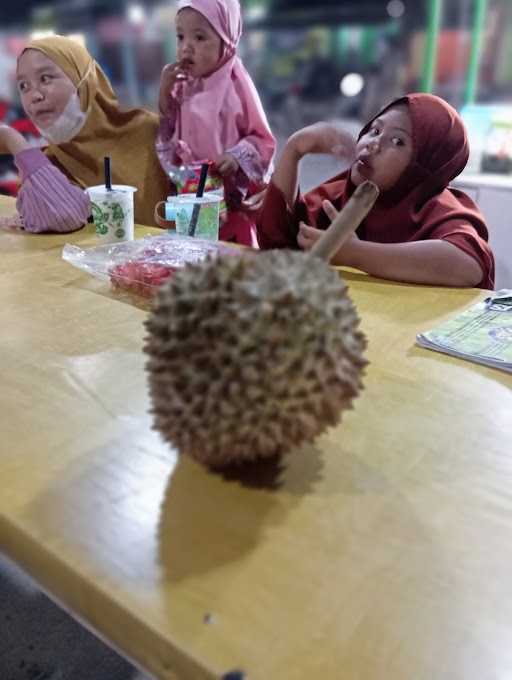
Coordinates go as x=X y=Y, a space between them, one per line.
x=383 y=551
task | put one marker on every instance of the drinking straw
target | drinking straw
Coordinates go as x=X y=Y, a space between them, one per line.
x=197 y=206
x=108 y=176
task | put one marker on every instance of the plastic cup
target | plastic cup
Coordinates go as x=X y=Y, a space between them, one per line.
x=181 y=209
x=112 y=211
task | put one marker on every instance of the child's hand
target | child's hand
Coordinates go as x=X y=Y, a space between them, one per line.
x=328 y=138
x=255 y=202
x=308 y=236
x=226 y=164
x=171 y=74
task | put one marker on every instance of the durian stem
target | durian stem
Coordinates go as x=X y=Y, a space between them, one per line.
x=347 y=221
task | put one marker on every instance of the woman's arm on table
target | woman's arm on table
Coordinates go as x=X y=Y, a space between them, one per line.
x=47 y=201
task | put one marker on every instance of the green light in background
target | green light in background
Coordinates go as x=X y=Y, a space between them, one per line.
x=476 y=50
x=429 y=62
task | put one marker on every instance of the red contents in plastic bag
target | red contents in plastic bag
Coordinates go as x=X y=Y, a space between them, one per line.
x=140 y=277
x=141 y=267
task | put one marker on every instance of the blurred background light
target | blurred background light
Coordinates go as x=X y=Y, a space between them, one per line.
x=351 y=84
x=256 y=12
x=395 y=8
x=136 y=14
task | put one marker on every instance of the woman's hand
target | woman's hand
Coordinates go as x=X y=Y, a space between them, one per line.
x=226 y=164
x=330 y=138
x=12 y=140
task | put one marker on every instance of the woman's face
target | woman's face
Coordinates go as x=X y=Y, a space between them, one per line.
x=199 y=44
x=385 y=150
x=43 y=86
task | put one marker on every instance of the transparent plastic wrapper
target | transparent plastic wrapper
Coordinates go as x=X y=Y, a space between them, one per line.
x=141 y=266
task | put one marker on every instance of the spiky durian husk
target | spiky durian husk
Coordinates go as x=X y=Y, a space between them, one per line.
x=250 y=356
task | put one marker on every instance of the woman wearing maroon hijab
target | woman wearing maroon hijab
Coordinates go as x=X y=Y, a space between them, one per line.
x=419 y=230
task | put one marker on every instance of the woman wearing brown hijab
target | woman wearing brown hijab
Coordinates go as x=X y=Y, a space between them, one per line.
x=419 y=230
x=69 y=98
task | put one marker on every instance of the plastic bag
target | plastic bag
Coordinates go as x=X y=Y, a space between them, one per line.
x=141 y=266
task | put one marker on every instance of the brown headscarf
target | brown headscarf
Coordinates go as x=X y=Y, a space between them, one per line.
x=128 y=137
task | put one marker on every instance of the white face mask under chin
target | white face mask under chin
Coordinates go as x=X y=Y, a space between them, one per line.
x=67 y=125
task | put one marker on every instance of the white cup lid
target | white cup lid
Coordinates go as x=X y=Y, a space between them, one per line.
x=207 y=197
x=117 y=188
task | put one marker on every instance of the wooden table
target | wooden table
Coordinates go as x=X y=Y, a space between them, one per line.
x=383 y=551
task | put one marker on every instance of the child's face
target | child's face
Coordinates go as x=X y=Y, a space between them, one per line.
x=199 y=45
x=385 y=150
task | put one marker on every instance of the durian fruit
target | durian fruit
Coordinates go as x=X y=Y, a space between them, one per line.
x=251 y=355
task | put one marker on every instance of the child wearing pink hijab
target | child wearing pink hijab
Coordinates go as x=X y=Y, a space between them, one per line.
x=210 y=110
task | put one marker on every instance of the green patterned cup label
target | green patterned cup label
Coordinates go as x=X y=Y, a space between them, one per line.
x=207 y=225
x=112 y=212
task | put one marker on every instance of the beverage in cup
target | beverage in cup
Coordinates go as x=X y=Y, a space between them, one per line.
x=112 y=211
x=205 y=214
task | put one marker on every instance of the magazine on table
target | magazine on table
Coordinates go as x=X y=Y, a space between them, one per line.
x=482 y=333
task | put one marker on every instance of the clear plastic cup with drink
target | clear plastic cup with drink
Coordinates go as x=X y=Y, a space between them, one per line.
x=204 y=212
